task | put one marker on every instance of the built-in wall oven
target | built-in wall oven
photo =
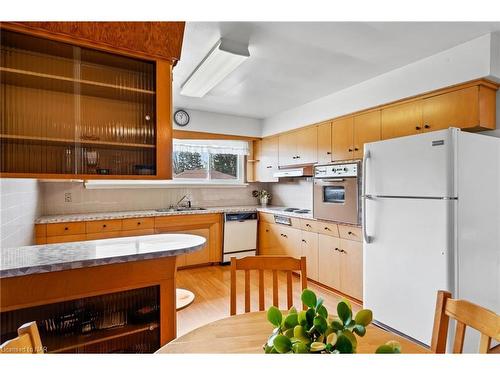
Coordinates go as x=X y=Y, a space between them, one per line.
x=336 y=193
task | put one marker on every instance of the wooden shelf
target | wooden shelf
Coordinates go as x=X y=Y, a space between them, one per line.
x=59 y=344
x=61 y=141
x=51 y=82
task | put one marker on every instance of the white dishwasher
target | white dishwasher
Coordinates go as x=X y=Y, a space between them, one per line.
x=240 y=235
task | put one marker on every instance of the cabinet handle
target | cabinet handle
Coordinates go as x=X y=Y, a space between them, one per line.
x=328 y=153
x=267 y=230
x=350 y=233
x=343 y=251
x=427 y=126
x=308 y=225
x=104 y=225
x=298 y=156
x=356 y=149
x=417 y=128
x=337 y=249
x=326 y=228
x=269 y=166
x=283 y=235
x=138 y=223
x=304 y=241
x=66 y=228
x=350 y=150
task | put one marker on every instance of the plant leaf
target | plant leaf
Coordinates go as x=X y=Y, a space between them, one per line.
x=360 y=330
x=301 y=317
x=300 y=333
x=322 y=311
x=351 y=338
x=319 y=303
x=343 y=345
x=317 y=346
x=289 y=333
x=390 y=347
x=310 y=314
x=364 y=317
x=320 y=324
x=337 y=324
x=331 y=339
x=300 y=347
x=292 y=310
x=308 y=298
x=282 y=344
x=344 y=312
x=291 y=321
x=270 y=340
x=274 y=316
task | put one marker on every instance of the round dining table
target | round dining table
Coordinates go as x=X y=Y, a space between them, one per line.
x=246 y=333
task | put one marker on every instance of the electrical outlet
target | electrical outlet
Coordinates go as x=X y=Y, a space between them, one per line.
x=67 y=197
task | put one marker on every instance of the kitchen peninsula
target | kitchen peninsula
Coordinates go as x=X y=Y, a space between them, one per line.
x=113 y=295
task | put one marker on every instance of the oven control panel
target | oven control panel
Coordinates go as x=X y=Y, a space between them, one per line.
x=336 y=170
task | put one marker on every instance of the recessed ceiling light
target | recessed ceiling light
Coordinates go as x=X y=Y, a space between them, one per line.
x=222 y=59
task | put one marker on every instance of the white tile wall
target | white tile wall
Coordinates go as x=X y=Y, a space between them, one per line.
x=101 y=200
x=295 y=192
x=19 y=206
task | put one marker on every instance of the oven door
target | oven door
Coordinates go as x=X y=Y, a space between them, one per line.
x=336 y=199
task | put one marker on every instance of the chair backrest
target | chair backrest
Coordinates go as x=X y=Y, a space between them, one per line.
x=263 y=263
x=27 y=342
x=466 y=314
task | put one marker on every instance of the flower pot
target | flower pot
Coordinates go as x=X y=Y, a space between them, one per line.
x=264 y=201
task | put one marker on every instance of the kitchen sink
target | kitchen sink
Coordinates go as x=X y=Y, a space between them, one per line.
x=180 y=209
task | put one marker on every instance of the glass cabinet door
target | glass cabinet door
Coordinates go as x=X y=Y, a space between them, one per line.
x=68 y=110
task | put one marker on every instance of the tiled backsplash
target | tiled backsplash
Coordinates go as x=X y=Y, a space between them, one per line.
x=20 y=205
x=295 y=192
x=101 y=200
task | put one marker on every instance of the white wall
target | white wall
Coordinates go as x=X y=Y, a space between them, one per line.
x=19 y=207
x=211 y=122
x=465 y=62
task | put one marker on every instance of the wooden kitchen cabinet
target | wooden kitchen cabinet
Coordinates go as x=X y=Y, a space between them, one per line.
x=351 y=268
x=266 y=154
x=329 y=261
x=289 y=240
x=268 y=239
x=342 y=138
x=366 y=129
x=401 y=120
x=325 y=143
x=73 y=111
x=309 y=249
x=298 y=147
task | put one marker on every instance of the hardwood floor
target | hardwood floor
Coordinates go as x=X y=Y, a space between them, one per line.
x=211 y=286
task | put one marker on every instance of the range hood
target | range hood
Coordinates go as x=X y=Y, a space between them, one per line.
x=306 y=171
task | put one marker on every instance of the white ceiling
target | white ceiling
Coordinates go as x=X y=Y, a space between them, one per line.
x=292 y=63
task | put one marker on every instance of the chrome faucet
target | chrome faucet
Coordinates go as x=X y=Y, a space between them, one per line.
x=180 y=200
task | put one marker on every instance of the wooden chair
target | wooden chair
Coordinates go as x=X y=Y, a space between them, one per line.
x=466 y=314
x=27 y=342
x=263 y=263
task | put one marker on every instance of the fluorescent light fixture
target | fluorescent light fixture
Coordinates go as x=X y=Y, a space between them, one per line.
x=222 y=59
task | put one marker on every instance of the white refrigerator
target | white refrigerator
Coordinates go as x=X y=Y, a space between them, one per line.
x=431 y=221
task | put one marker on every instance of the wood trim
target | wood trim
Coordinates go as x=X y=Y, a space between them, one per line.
x=61 y=176
x=441 y=321
x=32 y=28
x=482 y=83
x=190 y=134
x=163 y=120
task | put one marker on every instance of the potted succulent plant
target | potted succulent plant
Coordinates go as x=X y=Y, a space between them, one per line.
x=311 y=331
x=263 y=195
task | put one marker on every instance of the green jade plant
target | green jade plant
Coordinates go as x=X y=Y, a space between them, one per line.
x=311 y=331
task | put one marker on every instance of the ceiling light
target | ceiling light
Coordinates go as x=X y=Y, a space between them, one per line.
x=222 y=59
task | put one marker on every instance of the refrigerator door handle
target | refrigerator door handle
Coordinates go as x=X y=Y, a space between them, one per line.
x=367 y=238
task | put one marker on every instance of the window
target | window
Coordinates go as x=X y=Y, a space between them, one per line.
x=209 y=161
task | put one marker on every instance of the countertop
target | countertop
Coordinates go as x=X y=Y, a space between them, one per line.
x=275 y=210
x=25 y=260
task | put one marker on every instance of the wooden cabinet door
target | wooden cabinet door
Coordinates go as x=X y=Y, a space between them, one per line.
x=309 y=249
x=307 y=145
x=289 y=241
x=325 y=143
x=342 y=139
x=287 y=149
x=268 y=239
x=351 y=268
x=457 y=108
x=366 y=129
x=198 y=257
x=267 y=155
x=329 y=258
x=402 y=120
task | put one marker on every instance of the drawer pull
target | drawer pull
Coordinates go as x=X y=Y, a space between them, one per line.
x=138 y=223
x=267 y=230
x=356 y=149
x=328 y=153
x=283 y=235
x=66 y=228
x=350 y=150
x=104 y=225
x=304 y=241
x=326 y=228
x=337 y=249
x=308 y=225
x=417 y=128
x=350 y=233
x=427 y=126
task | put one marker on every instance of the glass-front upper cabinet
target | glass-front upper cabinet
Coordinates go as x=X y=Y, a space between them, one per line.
x=74 y=112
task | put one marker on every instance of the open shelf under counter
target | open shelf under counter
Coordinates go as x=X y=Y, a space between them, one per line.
x=61 y=141
x=26 y=78
x=61 y=344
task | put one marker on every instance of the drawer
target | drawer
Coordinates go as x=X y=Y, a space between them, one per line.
x=309 y=225
x=103 y=226
x=350 y=233
x=138 y=223
x=103 y=235
x=68 y=238
x=40 y=230
x=63 y=229
x=330 y=229
x=137 y=232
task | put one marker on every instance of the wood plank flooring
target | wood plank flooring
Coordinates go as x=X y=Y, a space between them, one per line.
x=211 y=286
